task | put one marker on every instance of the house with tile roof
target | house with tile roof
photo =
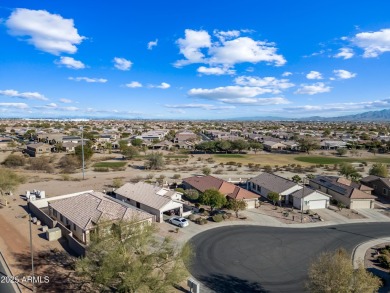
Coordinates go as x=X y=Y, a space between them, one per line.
x=202 y=183
x=353 y=195
x=152 y=199
x=86 y=213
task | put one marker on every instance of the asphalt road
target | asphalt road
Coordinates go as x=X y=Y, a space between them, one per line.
x=267 y=259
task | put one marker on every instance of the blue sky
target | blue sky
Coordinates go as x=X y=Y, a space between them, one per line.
x=193 y=60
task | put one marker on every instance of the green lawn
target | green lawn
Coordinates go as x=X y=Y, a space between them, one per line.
x=333 y=160
x=112 y=165
x=230 y=156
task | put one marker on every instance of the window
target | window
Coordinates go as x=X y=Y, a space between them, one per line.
x=55 y=213
x=384 y=191
x=74 y=226
x=61 y=218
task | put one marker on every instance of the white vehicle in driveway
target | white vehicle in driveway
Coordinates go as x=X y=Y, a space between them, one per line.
x=178 y=221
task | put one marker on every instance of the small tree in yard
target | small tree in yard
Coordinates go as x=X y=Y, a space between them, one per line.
x=341 y=151
x=191 y=194
x=333 y=272
x=296 y=178
x=154 y=161
x=129 y=152
x=348 y=171
x=341 y=206
x=236 y=205
x=273 y=196
x=379 y=169
x=212 y=198
x=130 y=259
x=206 y=171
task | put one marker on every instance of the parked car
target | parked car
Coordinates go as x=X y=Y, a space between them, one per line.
x=178 y=221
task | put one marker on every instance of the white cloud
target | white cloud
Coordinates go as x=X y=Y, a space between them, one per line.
x=45 y=31
x=190 y=46
x=152 y=44
x=286 y=73
x=14 y=105
x=312 y=89
x=215 y=70
x=163 y=86
x=373 y=43
x=133 y=84
x=223 y=35
x=88 y=79
x=54 y=106
x=345 y=53
x=24 y=95
x=344 y=74
x=200 y=106
x=273 y=84
x=349 y=106
x=314 y=75
x=66 y=101
x=237 y=95
x=70 y=62
x=229 y=50
x=244 y=49
x=122 y=63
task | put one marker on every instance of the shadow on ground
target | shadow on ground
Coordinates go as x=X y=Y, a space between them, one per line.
x=54 y=269
x=224 y=283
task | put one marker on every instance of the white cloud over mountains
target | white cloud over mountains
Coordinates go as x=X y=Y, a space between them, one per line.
x=70 y=62
x=200 y=106
x=47 y=32
x=229 y=49
x=313 y=89
x=23 y=95
x=19 y=106
x=271 y=83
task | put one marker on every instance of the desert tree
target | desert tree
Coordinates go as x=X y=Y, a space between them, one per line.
x=236 y=205
x=379 y=169
x=274 y=197
x=154 y=161
x=129 y=258
x=212 y=198
x=333 y=272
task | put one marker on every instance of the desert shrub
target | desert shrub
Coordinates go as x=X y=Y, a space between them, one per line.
x=117 y=182
x=69 y=163
x=191 y=194
x=218 y=171
x=226 y=216
x=192 y=217
x=41 y=164
x=150 y=176
x=201 y=210
x=206 y=171
x=217 y=218
x=14 y=160
x=101 y=169
x=268 y=169
x=65 y=177
x=201 y=221
x=384 y=260
x=176 y=176
x=231 y=163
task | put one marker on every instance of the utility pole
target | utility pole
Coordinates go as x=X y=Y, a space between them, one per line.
x=303 y=194
x=82 y=149
x=32 y=255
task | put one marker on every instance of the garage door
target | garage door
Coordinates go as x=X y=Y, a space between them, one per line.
x=317 y=204
x=360 y=204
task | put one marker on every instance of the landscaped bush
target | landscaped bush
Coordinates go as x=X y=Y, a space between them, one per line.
x=384 y=260
x=217 y=218
x=226 y=216
x=191 y=194
x=192 y=217
x=101 y=169
x=201 y=221
x=181 y=190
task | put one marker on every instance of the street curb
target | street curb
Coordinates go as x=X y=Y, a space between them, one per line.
x=360 y=250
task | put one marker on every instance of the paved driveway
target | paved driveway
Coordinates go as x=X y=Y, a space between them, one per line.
x=269 y=259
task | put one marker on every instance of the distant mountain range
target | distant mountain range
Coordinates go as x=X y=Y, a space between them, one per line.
x=383 y=115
